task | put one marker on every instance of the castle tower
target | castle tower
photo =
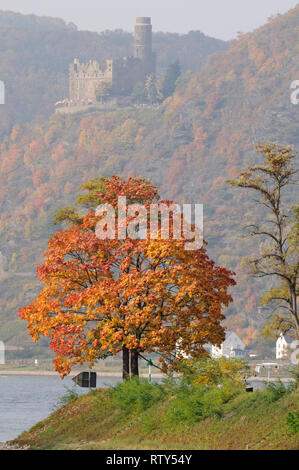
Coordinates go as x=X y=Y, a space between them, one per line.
x=119 y=75
x=143 y=44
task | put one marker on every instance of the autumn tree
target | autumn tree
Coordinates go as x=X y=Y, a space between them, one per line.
x=105 y=295
x=139 y=93
x=151 y=89
x=277 y=231
x=103 y=91
x=169 y=82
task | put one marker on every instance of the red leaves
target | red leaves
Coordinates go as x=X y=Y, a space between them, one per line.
x=149 y=295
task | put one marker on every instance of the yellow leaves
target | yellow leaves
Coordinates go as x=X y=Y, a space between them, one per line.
x=143 y=294
x=255 y=54
x=34 y=152
x=125 y=263
x=212 y=372
x=59 y=152
x=231 y=76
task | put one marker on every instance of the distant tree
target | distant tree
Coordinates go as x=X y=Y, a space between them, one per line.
x=139 y=93
x=278 y=232
x=172 y=74
x=211 y=371
x=151 y=89
x=103 y=91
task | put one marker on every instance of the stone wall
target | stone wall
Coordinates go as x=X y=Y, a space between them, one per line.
x=120 y=75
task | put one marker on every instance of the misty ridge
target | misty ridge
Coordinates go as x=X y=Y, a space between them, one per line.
x=35 y=54
x=229 y=96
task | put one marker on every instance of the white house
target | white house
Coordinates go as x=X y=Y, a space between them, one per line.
x=283 y=343
x=232 y=346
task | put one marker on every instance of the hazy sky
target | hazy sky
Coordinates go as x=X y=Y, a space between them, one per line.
x=218 y=18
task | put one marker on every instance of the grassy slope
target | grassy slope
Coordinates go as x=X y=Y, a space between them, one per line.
x=93 y=422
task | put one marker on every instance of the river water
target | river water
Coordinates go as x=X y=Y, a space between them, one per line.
x=27 y=399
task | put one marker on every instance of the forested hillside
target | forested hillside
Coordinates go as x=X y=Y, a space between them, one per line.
x=188 y=146
x=35 y=54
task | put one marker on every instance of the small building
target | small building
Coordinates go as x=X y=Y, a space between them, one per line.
x=232 y=347
x=283 y=344
x=238 y=353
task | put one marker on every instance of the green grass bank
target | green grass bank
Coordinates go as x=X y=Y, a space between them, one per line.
x=173 y=416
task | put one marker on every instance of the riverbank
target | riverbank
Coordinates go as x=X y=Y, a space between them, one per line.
x=118 y=375
x=72 y=374
x=157 y=418
x=5 y=446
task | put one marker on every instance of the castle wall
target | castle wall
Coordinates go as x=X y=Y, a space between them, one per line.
x=121 y=74
x=86 y=78
x=127 y=72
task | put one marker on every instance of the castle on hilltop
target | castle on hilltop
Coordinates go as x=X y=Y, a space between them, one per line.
x=116 y=75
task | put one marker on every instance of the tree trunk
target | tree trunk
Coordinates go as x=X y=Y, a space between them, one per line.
x=295 y=310
x=134 y=363
x=126 y=363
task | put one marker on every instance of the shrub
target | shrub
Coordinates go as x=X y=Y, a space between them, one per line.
x=211 y=371
x=274 y=392
x=136 y=395
x=293 y=421
x=294 y=372
x=192 y=403
x=186 y=405
x=70 y=396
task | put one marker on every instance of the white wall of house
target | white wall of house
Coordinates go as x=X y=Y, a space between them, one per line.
x=217 y=352
x=232 y=346
x=281 y=347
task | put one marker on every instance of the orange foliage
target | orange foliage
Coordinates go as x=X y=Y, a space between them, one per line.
x=146 y=295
